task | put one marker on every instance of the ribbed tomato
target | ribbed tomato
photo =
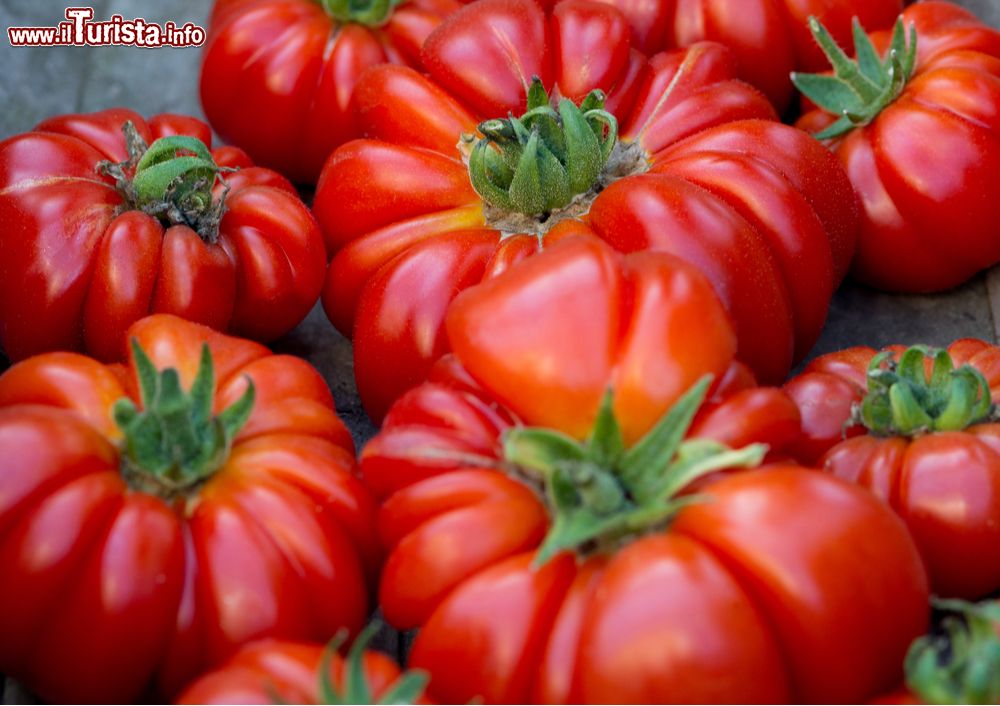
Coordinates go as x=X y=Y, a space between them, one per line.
x=616 y=553
x=157 y=515
x=915 y=124
x=922 y=435
x=278 y=75
x=670 y=153
x=101 y=228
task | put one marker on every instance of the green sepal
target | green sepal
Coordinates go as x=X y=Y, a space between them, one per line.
x=407 y=689
x=548 y=157
x=174 y=441
x=858 y=90
x=961 y=662
x=370 y=13
x=642 y=464
x=599 y=493
x=905 y=399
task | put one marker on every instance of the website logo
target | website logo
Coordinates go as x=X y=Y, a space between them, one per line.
x=80 y=30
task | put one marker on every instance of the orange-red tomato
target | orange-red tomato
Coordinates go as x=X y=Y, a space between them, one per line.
x=945 y=484
x=762 y=209
x=782 y=584
x=926 y=165
x=278 y=76
x=120 y=583
x=280 y=671
x=80 y=261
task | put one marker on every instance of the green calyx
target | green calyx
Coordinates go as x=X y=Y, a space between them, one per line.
x=858 y=90
x=355 y=688
x=175 y=442
x=540 y=162
x=904 y=399
x=600 y=493
x=961 y=663
x=171 y=180
x=370 y=13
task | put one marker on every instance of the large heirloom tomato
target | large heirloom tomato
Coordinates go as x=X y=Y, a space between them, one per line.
x=923 y=438
x=770 y=38
x=545 y=569
x=278 y=75
x=919 y=134
x=156 y=516
x=670 y=153
x=285 y=672
x=100 y=230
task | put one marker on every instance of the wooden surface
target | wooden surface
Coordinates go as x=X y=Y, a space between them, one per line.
x=37 y=82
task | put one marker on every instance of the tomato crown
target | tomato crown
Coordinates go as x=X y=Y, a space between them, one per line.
x=961 y=664
x=600 y=493
x=171 y=180
x=370 y=13
x=542 y=161
x=175 y=442
x=354 y=688
x=922 y=393
x=858 y=90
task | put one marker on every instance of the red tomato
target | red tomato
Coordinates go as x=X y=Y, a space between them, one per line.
x=710 y=176
x=941 y=473
x=785 y=584
x=142 y=546
x=83 y=257
x=278 y=75
x=923 y=154
x=770 y=38
x=280 y=671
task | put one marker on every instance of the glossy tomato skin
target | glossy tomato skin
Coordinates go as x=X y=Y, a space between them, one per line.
x=76 y=270
x=400 y=213
x=928 y=221
x=266 y=669
x=735 y=581
x=945 y=485
x=753 y=596
x=111 y=594
x=290 y=61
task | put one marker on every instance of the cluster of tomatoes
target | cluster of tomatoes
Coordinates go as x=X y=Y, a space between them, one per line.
x=575 y=248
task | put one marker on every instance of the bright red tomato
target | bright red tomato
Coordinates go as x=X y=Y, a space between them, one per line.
x=280 y=671
x=770 y=38
x=278 y=75
x=144 y=540
x=932 y=452
x=702 y=170
x=540 y=569
x=923 y=151
x=89 y=247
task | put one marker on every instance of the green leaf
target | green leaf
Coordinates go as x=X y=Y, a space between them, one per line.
x=166 y=148
x=593 y=101
x=479 y=176
x=149 y=377
x=537 y=95
x=583 y=151
x=828 y=92
x=907 y=415
x=356 y=689
x=328 y=692
x=203 y=388
x=843 y=67
x=647 y=459
x=152 y=184
x=606 y=446
x=237 y=414
x=541 y=450
x=868 y=60
x=526 y=186
x=407 y=689
x=836 y=129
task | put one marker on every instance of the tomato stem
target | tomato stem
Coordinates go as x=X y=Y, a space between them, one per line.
x=542 y=161
x=599 y=492
x=923 y=392
x=961 y=665
x=370 y=13
x=171 y=180
x=175 y=442
x=861 y=89
x=407 y=689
